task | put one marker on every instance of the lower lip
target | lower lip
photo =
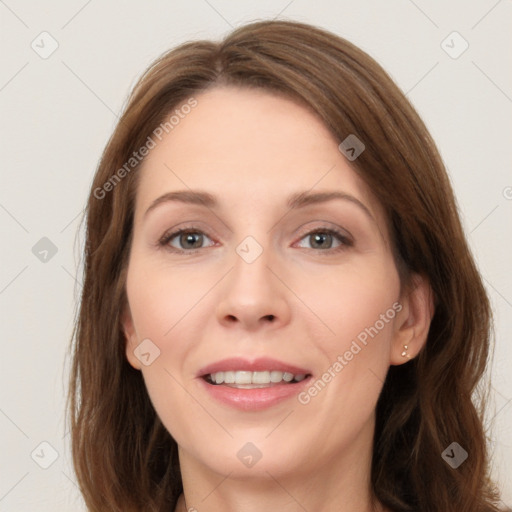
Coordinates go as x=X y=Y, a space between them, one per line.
x=254 y=399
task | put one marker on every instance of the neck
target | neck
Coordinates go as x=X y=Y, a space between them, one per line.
x=248 y=500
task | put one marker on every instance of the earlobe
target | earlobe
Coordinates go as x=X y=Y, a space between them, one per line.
x=130 y=338
x=413 y=321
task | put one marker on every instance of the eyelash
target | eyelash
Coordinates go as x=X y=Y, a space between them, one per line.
x=344 y=239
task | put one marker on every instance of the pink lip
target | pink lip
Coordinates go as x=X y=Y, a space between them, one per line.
x=258 y=398
x=258 y=365
x=254 y=399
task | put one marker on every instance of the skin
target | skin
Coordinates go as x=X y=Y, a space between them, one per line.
x=252 y=150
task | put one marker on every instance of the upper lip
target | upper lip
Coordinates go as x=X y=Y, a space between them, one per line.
x=256 y=365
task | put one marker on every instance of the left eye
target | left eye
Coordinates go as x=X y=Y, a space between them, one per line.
x=322 y=237
x=192 y=240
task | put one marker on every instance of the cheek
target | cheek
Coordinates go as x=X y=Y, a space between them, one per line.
x=357 y=309
x=351 y=299
x=160 y=299
x=161 y=303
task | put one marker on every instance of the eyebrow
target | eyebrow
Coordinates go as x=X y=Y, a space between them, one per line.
x=295 y=201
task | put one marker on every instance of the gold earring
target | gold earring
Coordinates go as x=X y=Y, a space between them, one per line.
x=404 y=353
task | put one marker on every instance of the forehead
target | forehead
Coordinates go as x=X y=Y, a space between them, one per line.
x=248 y=146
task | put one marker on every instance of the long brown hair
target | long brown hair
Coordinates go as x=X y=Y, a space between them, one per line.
x=125 y=460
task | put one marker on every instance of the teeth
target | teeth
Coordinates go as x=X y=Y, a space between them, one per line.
x=287 y=376
x=260 y=378
x=229 y=377
x=240 y=377
x=246 y=377
x=276 y=376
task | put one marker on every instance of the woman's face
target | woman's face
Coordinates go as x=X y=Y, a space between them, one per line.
x=260 y=283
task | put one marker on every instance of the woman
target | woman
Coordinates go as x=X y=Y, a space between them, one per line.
x=318 y=345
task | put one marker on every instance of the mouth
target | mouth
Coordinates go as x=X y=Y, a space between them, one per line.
x=253 y=385
x=264 y=372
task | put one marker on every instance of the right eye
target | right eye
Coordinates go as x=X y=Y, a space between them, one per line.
x=184 y=236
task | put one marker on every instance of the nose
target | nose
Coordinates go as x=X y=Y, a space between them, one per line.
x=253 y=295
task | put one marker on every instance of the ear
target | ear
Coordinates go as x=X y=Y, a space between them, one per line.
x=130 y=336
x=413 y=320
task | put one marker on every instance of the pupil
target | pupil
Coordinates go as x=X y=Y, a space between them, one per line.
x=189 y=237
x=320 y=236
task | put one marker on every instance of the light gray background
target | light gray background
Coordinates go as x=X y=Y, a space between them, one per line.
x=57 y=114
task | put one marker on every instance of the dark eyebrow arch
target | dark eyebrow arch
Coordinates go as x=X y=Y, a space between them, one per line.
x=295 y=201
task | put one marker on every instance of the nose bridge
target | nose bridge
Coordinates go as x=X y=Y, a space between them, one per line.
x=252 y=293
x=254 y=250
x=251 y=272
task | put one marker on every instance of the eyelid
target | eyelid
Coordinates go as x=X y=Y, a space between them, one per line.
x=326 y=226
